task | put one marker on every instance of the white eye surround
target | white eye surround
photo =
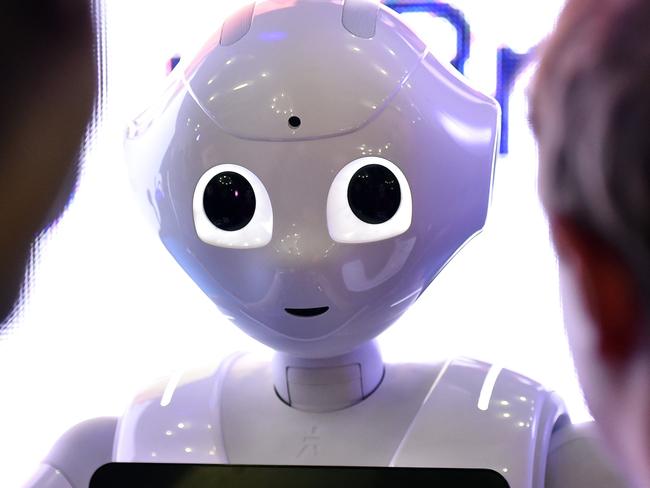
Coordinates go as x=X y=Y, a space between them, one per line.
x=232 y=208
x=369 y=200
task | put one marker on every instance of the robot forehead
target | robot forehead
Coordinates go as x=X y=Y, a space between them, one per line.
x=332 y=64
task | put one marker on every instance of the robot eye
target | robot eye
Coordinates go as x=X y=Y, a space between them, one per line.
x=374 y=194
x=229 y=201
x=232 y=208
x=369 y=200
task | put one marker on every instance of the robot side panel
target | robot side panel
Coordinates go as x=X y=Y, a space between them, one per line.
x=148 y=140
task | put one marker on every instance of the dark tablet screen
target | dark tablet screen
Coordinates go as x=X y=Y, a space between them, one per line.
x=236 y=476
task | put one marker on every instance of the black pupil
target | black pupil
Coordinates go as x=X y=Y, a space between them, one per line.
x=229 y=201
x=374 y=194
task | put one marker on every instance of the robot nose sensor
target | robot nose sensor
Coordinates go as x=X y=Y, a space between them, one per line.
x=306 y=312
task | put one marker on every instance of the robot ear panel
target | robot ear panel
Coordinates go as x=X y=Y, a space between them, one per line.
x=360 y=17
x=232 y=208
x=369 y=200
x=237 y=25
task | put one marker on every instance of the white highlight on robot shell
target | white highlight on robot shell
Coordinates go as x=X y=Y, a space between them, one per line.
x=170 y=388
x=463 y=132
x=410 y=295
x=488 y=387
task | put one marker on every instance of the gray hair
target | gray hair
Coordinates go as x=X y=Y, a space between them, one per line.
x=590 y=110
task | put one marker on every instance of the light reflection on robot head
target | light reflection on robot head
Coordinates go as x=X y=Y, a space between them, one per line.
x=318 y=169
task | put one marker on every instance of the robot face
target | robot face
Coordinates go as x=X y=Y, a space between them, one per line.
x=312 y=175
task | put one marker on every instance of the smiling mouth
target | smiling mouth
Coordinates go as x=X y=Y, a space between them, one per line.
x=306 y=312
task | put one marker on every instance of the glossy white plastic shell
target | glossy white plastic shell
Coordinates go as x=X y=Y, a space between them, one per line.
x=420 y=416
x=298 y=59
x=357 y=97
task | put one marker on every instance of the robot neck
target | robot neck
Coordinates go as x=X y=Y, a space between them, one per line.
x=328 y=384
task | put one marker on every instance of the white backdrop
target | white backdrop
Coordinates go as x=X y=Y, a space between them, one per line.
x=108 y=311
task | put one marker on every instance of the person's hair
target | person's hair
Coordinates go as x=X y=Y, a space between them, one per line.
x=590 y=110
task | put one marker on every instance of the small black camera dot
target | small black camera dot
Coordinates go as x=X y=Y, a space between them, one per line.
x=294 y=122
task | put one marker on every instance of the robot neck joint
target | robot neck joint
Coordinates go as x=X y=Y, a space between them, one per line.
x=328 y=384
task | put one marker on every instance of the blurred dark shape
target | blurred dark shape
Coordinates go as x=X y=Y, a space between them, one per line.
x=590 y=108
x=46 y=97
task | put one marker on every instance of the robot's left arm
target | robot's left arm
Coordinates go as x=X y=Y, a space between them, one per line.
x=77 y=455
x=576 y=459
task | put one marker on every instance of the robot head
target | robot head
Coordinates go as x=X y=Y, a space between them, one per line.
x=313 y=169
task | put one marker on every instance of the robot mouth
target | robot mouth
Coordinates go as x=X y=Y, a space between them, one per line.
x=306 y=312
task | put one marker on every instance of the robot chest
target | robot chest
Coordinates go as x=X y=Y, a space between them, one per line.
x=267 y=431
x=420 y=417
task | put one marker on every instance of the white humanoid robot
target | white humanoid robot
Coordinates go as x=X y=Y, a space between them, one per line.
x=313 y=169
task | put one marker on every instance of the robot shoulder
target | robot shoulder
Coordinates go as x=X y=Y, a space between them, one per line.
x=77 y=455
x=483 y=416
x=174 y=421
x=576 y=458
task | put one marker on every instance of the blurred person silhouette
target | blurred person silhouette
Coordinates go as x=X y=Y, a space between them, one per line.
x=590 y=110
x=46 y=94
